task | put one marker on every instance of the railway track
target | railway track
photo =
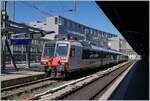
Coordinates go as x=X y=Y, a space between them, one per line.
x=85 y=88
x=15 y=90
x=24 y=84
x=19 y=90
x=32 y=87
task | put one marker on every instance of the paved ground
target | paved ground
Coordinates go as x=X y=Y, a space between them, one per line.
x=34 y=67
x=135 y=86
x=11 y=73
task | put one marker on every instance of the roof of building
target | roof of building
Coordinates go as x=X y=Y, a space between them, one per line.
x=113 y=35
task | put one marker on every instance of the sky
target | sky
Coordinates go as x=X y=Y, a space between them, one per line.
x=87 y=13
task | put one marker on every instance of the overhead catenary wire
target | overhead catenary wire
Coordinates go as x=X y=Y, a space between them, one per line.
x=72 y=9
x=50 y=11
x=36 y=8
x=64 y=9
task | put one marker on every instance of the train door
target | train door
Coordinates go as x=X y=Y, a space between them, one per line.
x=101 y=58
x=75 y=60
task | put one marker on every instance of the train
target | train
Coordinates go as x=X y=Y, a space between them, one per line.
x=62 y=57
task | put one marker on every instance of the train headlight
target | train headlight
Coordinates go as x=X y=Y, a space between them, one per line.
x=44 y=63
x=63 y=63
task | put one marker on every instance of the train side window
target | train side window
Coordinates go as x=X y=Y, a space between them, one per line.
x=85 y=54
x=72 y=53
x=100 y=54
x=90 y=55
x=104 y=55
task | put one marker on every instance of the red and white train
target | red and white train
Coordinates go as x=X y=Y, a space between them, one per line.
x=62 y=57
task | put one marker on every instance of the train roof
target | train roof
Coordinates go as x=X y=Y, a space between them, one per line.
x=89 y=46
x=107 y=50
x=92 y=47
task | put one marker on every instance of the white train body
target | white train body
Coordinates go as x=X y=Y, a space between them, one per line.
x=74 y=55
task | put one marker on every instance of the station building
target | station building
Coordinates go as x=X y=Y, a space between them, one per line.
x=114 y=43
x=64 y=27
x=20 y=52
x=124 y=47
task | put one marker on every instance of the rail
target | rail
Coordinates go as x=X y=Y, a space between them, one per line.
x=84 y=88
x=19 y=89
x=24 y=84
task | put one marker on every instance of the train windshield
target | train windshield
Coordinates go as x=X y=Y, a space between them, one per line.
x=49 y=50
x=61 y=50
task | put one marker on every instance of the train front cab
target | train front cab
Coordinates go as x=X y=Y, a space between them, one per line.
x=55 y=58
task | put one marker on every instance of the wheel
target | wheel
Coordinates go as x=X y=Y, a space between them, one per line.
x=45 y=68
x=67 y=76
x=47 y=71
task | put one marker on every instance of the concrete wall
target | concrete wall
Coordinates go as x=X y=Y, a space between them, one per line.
x=48 y=25
x=64 y=27
x=114 y=43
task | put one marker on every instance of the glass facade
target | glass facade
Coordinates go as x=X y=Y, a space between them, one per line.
x=20 y=53
x=78 y=31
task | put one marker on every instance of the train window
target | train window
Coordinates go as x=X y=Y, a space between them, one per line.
x=85 y=54
x=107 y=55
x=113 y=56
x=96 y=55
x=93 y=55
x=49 y=50
x=61 y=50
x=88 y=54
x=72 y=52
x=102 y=54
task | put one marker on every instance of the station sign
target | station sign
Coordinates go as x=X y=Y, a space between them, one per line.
x=21 y=41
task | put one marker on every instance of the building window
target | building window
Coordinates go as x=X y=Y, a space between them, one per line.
x=68 y=24
x=38 y=21
x=65 y=23
x=71 y=25
x=62 y=21
x=87 y=31
x=79 y=26
x=102 y=34
x=56 y=20
x=94 y=32
x=75 y=26
x=91 y=31
x=81 y=29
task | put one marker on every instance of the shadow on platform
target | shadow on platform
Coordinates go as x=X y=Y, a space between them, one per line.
x=135 y=86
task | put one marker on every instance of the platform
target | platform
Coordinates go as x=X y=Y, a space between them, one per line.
x=135 y=86
x=12 y=77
